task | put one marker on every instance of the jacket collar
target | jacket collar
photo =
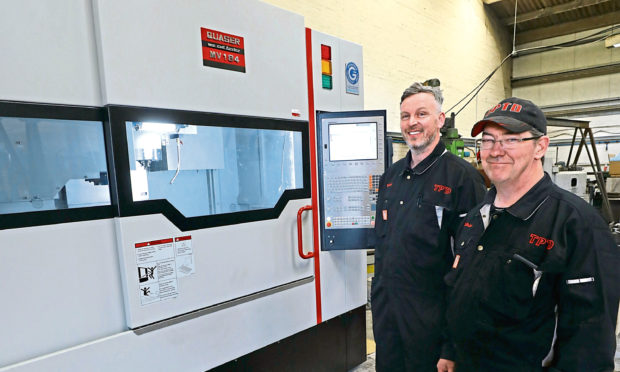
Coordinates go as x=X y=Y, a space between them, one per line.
x=529 y=203
x=425 y=164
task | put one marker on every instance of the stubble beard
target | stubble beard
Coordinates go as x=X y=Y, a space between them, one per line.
x=419 y=149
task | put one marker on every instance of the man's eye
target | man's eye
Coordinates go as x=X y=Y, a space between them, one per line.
x=511 y=141
x=404 y=117
x=422 y=114
x=487 y=141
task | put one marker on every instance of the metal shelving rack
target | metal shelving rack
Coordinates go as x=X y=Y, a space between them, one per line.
x=583 y=128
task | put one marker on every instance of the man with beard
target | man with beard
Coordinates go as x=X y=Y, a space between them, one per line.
x=422 y=200
x=535 y=282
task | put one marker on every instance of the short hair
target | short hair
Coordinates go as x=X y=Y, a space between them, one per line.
x=536 y=133
x=416 y=88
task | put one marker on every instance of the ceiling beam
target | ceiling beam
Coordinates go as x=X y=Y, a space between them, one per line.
x=604 y=106
x=579 y=73
x=489 y=2
x=593 y=111
x=566 y=123
x=549 y=11
x=568 y=27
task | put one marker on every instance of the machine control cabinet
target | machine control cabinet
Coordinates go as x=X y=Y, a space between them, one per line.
x=352 y=158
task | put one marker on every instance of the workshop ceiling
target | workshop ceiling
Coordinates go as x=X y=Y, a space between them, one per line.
x=542 y=19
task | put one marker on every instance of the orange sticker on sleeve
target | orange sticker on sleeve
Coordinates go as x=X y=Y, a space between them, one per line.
x=456 y=261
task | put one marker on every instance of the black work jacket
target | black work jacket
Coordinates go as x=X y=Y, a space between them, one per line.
x=537 y=284
x=418 y=211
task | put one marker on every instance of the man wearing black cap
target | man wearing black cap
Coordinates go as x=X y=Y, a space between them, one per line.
x=422 y=200
x=535 y=283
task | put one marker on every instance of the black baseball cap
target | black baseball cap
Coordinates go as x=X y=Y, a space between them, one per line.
x=514 y=114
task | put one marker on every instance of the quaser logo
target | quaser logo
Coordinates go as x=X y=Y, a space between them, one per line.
x=222 y=50
x=539 y=240
x=513 y=107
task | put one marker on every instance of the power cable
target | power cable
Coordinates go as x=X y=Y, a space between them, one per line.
x=515 y=53
x=581 y=41
x=514 y=30
x=478 y=87
x=482 y=84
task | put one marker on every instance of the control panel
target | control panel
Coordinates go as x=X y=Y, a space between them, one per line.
x=352 y=158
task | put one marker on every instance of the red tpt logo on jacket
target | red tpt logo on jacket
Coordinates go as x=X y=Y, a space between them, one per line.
x=441 y=188
x=539 y=240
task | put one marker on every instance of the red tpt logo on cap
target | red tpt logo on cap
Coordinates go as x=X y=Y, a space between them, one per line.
x=514 y=107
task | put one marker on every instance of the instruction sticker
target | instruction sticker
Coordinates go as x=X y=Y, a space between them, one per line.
x=160 y=263
x=184 y=256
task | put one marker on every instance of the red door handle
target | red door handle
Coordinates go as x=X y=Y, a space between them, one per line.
x=300 y=244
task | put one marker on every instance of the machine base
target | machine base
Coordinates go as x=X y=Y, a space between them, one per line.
x=337 y=344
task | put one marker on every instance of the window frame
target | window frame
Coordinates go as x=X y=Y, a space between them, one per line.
x=60 y=112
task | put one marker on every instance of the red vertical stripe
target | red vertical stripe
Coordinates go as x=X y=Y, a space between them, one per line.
x=313 y=177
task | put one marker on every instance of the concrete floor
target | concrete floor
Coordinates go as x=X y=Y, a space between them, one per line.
x=367 y=366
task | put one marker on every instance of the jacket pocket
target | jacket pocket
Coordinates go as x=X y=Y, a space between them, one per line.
x=508 y=289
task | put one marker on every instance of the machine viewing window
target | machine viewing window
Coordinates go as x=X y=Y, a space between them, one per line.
x=356 y=141
x=50 y=164
x=208 y=170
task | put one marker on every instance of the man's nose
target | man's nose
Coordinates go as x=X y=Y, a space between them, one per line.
x=497 y=149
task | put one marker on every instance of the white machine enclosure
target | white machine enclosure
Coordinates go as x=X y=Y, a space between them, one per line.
x=62 y=284
x=49 y=53
x=230 y=262
x=150 y=55
x=149 y=63
x=71 y=290
x=573 y=181
x=343 y=273
x=62 y=288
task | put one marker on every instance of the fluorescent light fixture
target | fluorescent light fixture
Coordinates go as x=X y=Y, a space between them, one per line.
x=612 y=41
x=158 y=127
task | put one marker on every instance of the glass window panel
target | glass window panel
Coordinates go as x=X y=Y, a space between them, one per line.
x=206 y=170
x=48 y=164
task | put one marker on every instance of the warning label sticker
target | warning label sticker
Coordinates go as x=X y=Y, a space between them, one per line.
x=160 y=263
x=222 y=50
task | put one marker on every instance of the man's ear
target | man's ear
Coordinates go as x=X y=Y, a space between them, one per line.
x=442 y=119
x=542 y=144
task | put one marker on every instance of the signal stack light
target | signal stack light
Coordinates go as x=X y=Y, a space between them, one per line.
x=326 y=66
